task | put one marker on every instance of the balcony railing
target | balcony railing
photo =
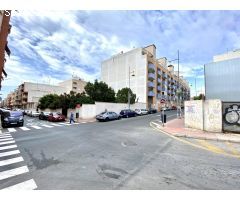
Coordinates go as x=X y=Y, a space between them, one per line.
x=159 y=88
x=159 y=72
x=159 y=80
x=159 y=96
x=151 y=66
x=150 y=84
x=151 y=76
x=151 y=94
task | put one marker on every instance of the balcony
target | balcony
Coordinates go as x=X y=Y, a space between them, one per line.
x=159 y=80
x=150 y=84
x=159 y=73
x=159 y=88
x=151 y=67
x=151 y=94
x=159 y=96
x=164 y=76
x=151 y=76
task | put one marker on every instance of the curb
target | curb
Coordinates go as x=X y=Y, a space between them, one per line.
x=215 y=138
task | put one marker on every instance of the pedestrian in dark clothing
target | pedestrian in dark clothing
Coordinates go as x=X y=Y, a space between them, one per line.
x=71 y=118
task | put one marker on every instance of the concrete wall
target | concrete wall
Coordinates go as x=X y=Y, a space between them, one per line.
x=213 y=115
x=88 y=111
x=194 y=114
x=204 y=115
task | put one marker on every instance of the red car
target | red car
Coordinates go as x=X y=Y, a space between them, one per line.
x=56 y=117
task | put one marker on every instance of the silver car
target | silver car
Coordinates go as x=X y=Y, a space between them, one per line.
x=107 y=116
x=141 y=111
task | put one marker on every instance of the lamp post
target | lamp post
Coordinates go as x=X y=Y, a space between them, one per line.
x=130 y=73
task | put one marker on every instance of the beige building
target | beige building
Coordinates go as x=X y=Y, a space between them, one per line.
x=75 y=84
x=227 y=56
x=27 y=95
x=153 y=80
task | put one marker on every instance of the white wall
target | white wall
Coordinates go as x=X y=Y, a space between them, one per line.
x=115 y=72
x=204 y=115
x=88 y=111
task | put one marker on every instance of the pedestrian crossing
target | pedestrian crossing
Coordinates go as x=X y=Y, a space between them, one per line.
x=33 y=127
x=13 y=171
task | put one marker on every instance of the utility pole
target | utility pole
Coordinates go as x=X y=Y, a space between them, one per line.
x=178 y=89
x=129 y=95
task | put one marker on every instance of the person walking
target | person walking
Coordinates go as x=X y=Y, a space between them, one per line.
x=71 y=118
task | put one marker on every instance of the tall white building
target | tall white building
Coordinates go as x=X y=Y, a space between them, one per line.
x=153 y=79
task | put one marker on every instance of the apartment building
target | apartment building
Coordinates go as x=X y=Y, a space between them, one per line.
x=76 y=84
x=222 y=77
x=153 y=79
x=5 y=29
x=26 y=96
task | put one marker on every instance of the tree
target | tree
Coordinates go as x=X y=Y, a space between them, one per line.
x=200 y=97
x=99 y=91
x=122 y=96
x=51 y=101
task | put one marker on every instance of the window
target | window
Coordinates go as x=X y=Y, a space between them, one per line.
x=74 y=83
x=74 y=88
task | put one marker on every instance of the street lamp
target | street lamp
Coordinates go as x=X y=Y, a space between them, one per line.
x=130 y=73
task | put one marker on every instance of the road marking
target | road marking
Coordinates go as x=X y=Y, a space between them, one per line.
x=68 y=124
x=5 y=139
x=8 y=147
x=11 y=161
x=83 y=122
x=56 y=125
x=27 y=185
x=24 y=128
x=11 y=130
x=3 y=135
x=7 y=136
x=47 y=126
x=8 y=142
x=13 y=172
x=36 y=127
x=232 y=149
x=211 y=147
x=9 y=153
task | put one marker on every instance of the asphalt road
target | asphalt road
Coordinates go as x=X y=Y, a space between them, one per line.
x=124 y=154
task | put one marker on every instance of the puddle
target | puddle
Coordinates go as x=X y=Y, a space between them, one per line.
x=110 y=172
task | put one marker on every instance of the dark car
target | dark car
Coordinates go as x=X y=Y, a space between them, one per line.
x=128 y=113
x=107 y=116
x=11 y=118
x=56 y=117
x=44 y=115
x=152 y=110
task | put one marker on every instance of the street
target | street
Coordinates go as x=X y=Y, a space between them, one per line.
x=122 y=154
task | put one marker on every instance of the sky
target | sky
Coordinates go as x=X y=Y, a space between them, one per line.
x=51 y=46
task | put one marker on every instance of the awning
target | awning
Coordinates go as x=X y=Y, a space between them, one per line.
x=7 y=50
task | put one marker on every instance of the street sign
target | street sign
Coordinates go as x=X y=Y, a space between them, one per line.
x=162 y=101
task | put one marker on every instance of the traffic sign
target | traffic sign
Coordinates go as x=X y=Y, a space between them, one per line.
x=162 y=101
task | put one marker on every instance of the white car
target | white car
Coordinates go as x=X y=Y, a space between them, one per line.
x=34 y=114
x=141 y=111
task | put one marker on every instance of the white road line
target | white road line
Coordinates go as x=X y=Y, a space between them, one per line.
x=47 y=126
x=8 y=147
x=11 y=130
x=5 y=139
x=9 y=153
x=56 y=125
x=3 y=134
x=68 y=124
x=7 y=136
x=26 y=185
x=8 y=142
x=13 y=172
x=24 y=128
x=36 y=127
x=11 y=161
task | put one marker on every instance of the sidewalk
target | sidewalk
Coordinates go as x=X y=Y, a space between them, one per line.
x=82 y=120
x=176 y=128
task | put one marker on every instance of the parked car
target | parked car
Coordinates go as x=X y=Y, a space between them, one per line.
x=152 y=110
x=128 y=113
x=174 y=107
x=44 y=115
x=107 y=116
x=34 y=114
x=56 y=117
x=141 y=111
x=10 y=118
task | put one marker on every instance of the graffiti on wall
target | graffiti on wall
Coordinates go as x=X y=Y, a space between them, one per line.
x=231 y=116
